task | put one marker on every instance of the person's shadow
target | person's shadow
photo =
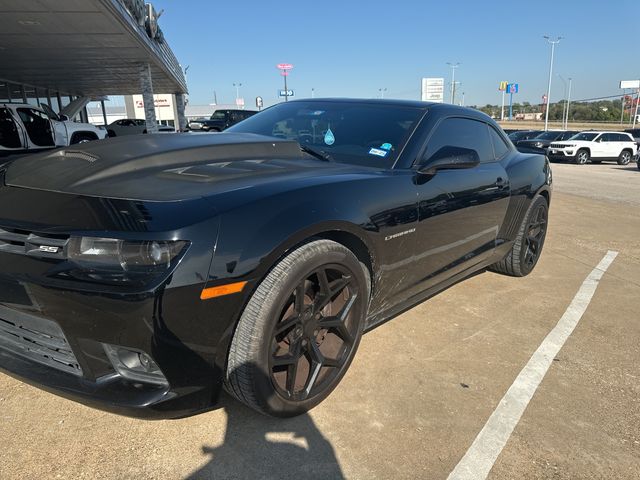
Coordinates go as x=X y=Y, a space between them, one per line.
x=255 y=445
x=261 y=447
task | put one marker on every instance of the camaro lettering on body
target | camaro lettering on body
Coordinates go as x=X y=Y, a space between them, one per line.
x=399 y=234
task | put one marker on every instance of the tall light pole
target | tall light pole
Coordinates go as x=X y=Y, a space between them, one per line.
x=564 y=98
x=566 y=118
x=553 y=47
x=237 y=85
x=313 y=93
x=382 y=90
x=453 y=81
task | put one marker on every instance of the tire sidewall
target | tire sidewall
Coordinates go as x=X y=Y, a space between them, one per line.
x=624 y=158
x=266 y=394
x=535 y=205
x=579 y=161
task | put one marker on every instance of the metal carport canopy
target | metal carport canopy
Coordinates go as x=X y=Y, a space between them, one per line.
x=82 y=47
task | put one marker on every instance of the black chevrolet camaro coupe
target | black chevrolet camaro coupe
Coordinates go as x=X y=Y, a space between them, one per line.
x=143 y=275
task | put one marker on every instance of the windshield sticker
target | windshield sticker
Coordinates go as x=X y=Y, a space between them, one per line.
x=317 y=112
x=378 y=152
x=329 y=139
x=386 y=146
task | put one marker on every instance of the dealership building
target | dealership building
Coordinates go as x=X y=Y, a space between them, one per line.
x=67 y=53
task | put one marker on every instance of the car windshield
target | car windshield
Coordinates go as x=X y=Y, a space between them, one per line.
x=348 y=132
x=585 y=136
x=218 y=116
x=547 y=136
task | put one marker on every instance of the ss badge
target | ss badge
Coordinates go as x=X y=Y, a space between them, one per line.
x=47 y=249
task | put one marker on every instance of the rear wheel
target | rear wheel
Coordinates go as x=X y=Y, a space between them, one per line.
x=624 y=158
x=582 y=156
x=300 y=330
x=526 y=249
x=82 y=138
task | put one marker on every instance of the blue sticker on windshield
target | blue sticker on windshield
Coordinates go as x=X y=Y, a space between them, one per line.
x=378 y=152
x=386 y=146
x=329 y=139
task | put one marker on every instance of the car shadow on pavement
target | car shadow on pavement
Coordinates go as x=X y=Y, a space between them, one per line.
x=257 y=446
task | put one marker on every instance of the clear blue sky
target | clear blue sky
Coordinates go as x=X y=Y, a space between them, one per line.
x=353 y=48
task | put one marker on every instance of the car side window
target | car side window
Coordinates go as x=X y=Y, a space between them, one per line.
x=459 y=133
x=622 y=137
x=500 y=147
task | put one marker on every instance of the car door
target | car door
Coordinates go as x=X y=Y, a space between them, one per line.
x=460 y=211
x=61 y=136
x=600 y=146
x=38 y=127
x=11 y=135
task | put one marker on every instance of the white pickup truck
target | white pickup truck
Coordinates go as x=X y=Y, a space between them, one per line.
x=25 y=128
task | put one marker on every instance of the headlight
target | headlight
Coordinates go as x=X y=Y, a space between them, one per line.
x=538 y=144
x=121 y=261
x=568 y=146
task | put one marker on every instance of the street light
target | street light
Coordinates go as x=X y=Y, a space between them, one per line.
x=382 y=90
x=453 y=80
x=564 y=106
x=553 y=47
x=237 y=85
x=566 y=118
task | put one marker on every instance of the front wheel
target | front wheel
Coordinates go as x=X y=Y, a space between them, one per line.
x=526 y=249
x=582 y=156
x=82 y=138
x=300 y=330
x=624 y=158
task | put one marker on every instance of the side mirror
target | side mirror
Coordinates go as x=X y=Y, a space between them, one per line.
x=451 y=158
x=63 y=118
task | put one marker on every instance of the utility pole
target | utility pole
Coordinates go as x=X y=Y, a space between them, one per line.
x=553 y=47
x=566 y=120
x=237 y=85
x=564 y=98
x=453 y=81
x=382 y=90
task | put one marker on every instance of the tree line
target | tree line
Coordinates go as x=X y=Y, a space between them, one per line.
x=598 y=111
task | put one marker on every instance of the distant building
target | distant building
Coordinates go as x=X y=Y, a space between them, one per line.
x=164 y=106
x=528 y=116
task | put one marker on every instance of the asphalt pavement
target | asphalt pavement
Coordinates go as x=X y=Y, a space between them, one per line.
x=422 y=387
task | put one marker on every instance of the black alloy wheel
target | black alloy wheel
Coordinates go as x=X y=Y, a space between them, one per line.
x=527 y=246
x=536 y=231
x=315 y=335
x=300 y=330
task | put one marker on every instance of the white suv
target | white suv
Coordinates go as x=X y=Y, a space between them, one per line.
x=595 y=147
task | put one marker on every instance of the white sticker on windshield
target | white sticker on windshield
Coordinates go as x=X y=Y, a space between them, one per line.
x=378 y=152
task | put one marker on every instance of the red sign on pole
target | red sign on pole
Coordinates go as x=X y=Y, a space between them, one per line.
x=284 y=66
x=544 y=99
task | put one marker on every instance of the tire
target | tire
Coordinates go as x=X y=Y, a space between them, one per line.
x=111 y=134
x=582 y=156
x=280 y=361
x=526 y=250
x=624 y=158
x=82 y=138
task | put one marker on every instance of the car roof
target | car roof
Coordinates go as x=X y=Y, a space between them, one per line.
x=373 y=101
x=15 y=104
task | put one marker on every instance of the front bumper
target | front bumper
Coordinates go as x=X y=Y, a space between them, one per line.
x=556 y=154
x=53 y=330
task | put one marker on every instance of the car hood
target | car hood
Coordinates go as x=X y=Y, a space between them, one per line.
x=168 y=167
x=532 y=141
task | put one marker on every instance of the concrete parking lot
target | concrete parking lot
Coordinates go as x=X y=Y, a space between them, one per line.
x=421 y=387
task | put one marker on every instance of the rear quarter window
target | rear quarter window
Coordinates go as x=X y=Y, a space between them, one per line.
x=500 y=147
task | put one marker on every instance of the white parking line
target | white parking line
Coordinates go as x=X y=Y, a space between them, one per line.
x=484 y=451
